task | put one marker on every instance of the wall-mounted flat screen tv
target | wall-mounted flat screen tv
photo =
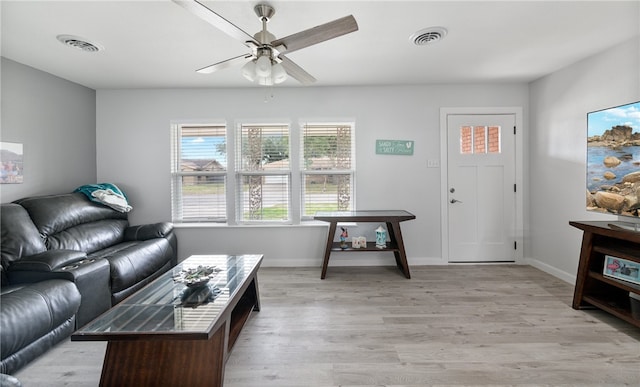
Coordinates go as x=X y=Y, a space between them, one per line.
x=613 y=160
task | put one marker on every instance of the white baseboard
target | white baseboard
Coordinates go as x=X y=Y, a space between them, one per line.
x=567 y=277
x=385 y=259
x=350 y=259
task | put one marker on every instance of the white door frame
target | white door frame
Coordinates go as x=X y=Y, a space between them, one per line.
x=444 y=182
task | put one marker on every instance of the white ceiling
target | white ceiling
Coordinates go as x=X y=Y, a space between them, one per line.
x=158 y=44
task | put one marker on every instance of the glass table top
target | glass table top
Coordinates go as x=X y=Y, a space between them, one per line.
x=168 y=305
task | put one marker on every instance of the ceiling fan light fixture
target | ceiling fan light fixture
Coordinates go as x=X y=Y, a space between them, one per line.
x=278 y=73
x=263 y=66
x=249 y=71
x=264 y=71
x=265 y=81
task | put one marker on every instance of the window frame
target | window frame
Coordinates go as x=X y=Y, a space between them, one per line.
x=239 y=173
x=177 y=197
x=233 y=175
x=351 y=171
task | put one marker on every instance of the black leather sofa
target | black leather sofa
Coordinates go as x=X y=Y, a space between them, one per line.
x=65 y=260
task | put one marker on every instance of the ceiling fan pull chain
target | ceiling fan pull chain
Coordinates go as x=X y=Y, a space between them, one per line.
x=268 y=94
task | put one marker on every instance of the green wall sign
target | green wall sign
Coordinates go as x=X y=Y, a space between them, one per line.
x=394 y=147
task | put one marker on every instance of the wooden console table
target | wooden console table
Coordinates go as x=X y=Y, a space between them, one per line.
x=593 y=289
x=392 y=218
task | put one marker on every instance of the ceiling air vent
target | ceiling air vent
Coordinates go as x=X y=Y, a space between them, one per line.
x=79 y=43
x=428 y=36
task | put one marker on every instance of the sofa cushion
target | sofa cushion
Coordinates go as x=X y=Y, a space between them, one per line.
x=89 y=237
x=55 y=213
x=20 y=237
x=30 y=312
x=134 y=261
x=73 y=222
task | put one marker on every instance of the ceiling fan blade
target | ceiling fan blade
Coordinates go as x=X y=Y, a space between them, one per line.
x=296 y=71
x=224 y=25
x=224 y=64
x=317 y=34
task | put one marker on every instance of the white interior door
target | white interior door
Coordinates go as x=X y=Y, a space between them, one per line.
x=481 y=187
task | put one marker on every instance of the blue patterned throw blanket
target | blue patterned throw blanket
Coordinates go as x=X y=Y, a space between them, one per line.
x=107 y=194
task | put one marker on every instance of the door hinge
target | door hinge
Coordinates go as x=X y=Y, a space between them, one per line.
x=515 y=245
x=514 y=129
x=514 y=188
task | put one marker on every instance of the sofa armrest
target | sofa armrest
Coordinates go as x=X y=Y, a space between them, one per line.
x=47 y=261
x=148 y=231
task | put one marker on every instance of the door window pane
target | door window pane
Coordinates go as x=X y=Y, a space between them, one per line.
x=480 y=140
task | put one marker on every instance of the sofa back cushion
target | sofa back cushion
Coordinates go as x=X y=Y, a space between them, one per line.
x=73 y=222
x=20 y=237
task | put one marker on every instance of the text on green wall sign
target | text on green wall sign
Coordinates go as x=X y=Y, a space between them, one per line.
x=394 y=147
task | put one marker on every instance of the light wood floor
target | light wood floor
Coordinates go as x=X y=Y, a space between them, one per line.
x=448 y=325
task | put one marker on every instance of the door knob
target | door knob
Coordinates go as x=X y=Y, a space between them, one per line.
x=456 y=201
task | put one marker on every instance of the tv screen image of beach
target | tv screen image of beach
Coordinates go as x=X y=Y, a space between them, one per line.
x=613 y=160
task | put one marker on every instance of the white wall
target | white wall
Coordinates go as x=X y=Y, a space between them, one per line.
x=133 y=129
x=559 y=104
x=54 y=119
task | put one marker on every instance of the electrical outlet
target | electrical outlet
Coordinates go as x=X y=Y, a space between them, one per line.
x=433 y=163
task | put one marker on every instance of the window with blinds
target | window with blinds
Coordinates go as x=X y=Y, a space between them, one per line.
x=263 y=173
x=199 y=173
x=257 y=186
x=327 y=168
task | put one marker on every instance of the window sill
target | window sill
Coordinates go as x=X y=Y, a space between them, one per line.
x=306 y=223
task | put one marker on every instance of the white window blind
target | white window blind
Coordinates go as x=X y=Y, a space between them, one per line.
x=327 y=168
x=263 y=173
x=199 y=167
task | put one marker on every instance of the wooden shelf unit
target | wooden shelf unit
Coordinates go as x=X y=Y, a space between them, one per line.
x=391 y=218
x=593 y=289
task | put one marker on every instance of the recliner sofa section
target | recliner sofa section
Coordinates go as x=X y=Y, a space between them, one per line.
x=35 y=317
x=90 y=247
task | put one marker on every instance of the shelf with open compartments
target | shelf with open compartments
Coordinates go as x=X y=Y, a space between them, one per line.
x=593 y=288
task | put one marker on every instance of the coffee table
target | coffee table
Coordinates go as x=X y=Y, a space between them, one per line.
x=170 y=334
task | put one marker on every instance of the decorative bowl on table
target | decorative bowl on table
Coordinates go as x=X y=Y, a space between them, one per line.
x=194 y=277
x=195 y=296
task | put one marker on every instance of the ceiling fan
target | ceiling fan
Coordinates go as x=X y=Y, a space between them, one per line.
x=266 y=62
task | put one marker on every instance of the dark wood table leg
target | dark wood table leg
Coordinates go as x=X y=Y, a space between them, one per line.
x=327 y=250
x=583 y=269
x=165 y=362
x=256 y=289
x=401 y=257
